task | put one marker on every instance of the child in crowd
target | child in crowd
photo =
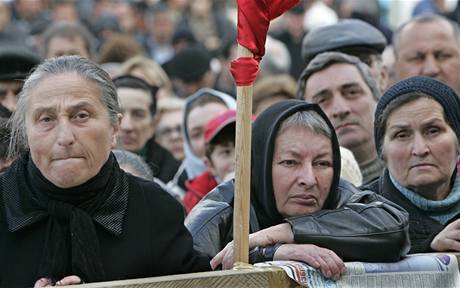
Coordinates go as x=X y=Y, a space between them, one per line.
x=219 y=138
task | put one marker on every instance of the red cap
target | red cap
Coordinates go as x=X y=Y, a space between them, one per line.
x=217 y=124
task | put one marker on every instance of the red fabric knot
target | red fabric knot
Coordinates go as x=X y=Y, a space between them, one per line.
x=244 y=70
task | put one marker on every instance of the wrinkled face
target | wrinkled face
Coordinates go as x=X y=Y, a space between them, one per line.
x=419 y=147
x=197 y=120
x=68 y=129
x=347 y=100
x=137 y=125
x=9 y=89
x=302 y=171
x=223 y=160
x=429 y=49
x=59 y=46
x=169 y=133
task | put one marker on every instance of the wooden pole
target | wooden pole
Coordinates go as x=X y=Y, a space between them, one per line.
x=242 y=170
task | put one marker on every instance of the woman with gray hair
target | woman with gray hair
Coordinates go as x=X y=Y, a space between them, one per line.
x=417 y=132
x=67 y=211
x=300 y=208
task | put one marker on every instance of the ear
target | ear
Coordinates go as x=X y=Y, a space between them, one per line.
x=384 y=78
x=116 y=130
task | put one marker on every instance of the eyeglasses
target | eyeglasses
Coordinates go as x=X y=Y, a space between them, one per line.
x=167 y=131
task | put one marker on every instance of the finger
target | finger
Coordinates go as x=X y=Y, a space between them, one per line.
x=227 y=263
x=451 y=244
x=334 y=264
x=42 y=282
x=339 y=264
x=69 y=280
x=324 y=267
x=217 y=260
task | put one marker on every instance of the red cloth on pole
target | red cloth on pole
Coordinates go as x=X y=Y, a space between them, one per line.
x=254 y=18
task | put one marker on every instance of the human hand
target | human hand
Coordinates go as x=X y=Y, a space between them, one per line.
x=448 y=239
x=68 y=280
x=224 y=257
x=280 y=233
x=330 y=265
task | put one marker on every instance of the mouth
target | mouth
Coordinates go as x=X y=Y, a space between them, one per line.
x=306 y=200
x=421 y=165
x=344 y=126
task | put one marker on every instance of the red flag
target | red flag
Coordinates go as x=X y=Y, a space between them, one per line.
x=254 y=18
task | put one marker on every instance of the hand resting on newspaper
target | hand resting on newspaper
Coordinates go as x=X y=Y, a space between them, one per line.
x=330 y=265
x=448 y=239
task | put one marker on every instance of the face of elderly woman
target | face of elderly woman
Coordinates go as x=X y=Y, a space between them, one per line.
x=302 y=171
x=68 y=129
x=420 y=148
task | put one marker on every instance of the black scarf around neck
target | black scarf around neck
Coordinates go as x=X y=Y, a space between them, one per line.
x=71 y=244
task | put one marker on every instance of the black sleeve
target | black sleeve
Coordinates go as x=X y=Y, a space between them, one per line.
x=366 y=228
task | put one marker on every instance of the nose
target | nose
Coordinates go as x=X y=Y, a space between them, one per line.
x=65 y=135
x=340 y=108
x=419 y=146
x=306 y=176
x=126 y=123
x=430 y=66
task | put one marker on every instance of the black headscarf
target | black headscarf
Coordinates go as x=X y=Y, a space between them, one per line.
x=71 y=244
x=264 y=132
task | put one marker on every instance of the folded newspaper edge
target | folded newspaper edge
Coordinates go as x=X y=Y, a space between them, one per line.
x=417 y=270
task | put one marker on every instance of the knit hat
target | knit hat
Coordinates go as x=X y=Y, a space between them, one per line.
x=216 y=125
x=437 y=90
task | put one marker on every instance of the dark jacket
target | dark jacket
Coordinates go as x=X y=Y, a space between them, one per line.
x=163 y=164
x=422 y=228
x=148 y=239
x=357 y=225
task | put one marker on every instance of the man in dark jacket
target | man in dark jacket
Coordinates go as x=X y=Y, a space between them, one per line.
x=66 y=207
x=297 y=198
x=138 y=105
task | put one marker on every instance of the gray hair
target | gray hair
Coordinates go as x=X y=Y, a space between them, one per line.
x=326 y=59
x=307 y=119
x=133 y=161
x=56 y=66
x=426 y=18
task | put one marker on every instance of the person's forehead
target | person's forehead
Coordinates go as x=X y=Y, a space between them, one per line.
x=427 y=106
x=65 y=86
x=201 y=115
x=131 y=97
x=335 y=75
x=10 y=84
x=426 y=29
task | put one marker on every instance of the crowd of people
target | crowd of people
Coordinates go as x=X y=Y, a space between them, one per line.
x=118 y=125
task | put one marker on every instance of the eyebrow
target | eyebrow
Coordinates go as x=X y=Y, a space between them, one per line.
x=78 y=106
x=350 y=85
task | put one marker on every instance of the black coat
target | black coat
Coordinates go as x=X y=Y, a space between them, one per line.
x=422 y=228
x=163 y=164
x=153 y=241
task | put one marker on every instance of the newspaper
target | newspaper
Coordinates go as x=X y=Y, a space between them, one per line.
x=418 y=271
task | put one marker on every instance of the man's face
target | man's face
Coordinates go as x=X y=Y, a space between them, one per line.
x=59 y=46
x=69 y=131
x=197 y=120
x=347 y=100
x=302 y=171
x=9 y=89
x=429 y=49
x=137 y=124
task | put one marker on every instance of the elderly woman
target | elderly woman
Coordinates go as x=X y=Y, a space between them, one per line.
x=417 y=129
x=66 y=206
x=298 y=197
